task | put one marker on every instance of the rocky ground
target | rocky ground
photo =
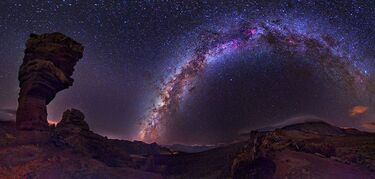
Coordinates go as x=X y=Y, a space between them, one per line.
x=73 y=151
x=306 y=150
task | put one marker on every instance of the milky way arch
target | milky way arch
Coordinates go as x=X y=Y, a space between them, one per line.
x=321 y=49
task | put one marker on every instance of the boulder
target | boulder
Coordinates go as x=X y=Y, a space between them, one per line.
x=73 y=122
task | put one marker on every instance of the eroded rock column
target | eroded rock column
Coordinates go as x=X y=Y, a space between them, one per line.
x=47 y=68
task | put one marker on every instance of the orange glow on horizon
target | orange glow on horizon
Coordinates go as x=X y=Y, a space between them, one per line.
x=52 y=122
x=368 y=125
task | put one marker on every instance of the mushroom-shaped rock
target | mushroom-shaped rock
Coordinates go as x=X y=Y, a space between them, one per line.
x=47 y=68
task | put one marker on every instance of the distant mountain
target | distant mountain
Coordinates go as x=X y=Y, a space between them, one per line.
x=189 y=148
x=316 y=127
x=309 y=125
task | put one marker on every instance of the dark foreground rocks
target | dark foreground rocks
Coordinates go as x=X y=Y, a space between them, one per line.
x=305 y=150
x=302 y=151
x=74 y=151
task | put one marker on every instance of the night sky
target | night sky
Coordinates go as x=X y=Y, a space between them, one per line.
x=202 y=72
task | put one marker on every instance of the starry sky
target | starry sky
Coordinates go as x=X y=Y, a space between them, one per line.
x=202 y=72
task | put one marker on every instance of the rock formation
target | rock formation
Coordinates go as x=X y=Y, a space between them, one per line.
x=299 y=151
x=47 y=68
x=73 y=132
x=72 y=122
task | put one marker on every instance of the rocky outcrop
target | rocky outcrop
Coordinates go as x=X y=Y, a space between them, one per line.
x=72 y=122
x=47 y=68
x=300 y=151
x=73 y=132
x=255 y=161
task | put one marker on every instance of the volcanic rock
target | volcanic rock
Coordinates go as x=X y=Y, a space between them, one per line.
x=300 y=151
x=47 y=68
x=72 y=122
x=73 y=132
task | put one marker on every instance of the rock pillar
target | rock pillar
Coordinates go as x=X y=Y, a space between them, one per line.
x=47 y=68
